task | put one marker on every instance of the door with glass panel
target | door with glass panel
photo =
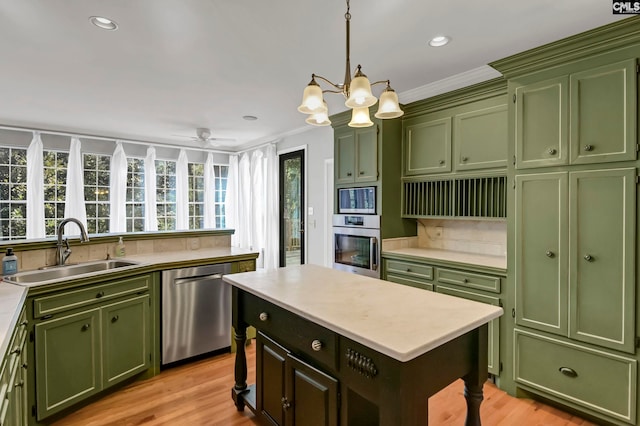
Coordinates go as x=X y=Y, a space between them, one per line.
x=292 y=201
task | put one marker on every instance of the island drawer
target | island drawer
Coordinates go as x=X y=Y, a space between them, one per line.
x=409 y=268
x=399 y=279
x=468 y=279
x=296 y=332
x=64 y=301
x=594 y=379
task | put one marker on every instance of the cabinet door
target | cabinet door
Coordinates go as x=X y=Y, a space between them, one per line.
x=67 y=360
x=270 y=381
x=345 y=155
x=427 y=146
x=542 y=129
x=603 y=114
x=493 y=326
x=602 y=272
x=367 y=154
x=125 y=339
x=314 y=395
x=480 y=139
x=541 y=251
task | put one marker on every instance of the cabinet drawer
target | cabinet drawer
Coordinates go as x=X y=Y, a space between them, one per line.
x=410 y=282
x=297 y=333
x=468 y=279
x=48 y=305
x=409 y=269
x=602 y=382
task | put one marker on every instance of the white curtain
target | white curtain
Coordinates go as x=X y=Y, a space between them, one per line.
x=231 y=200
x=150 y=213
x=258 y=202
x=74 y=204
x=271 y=235
x=35 y=194
x=118 y=190
x=244 y=203
x=182 y=191
x=209 y=193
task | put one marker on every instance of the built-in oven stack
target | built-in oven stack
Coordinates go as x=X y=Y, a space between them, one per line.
x=356 y=243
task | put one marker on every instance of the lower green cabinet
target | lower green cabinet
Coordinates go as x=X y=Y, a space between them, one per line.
x=79 y=352
x=13 y=379
x=291 y=392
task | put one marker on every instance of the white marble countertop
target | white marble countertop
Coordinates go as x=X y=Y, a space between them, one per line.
x=498 y=262
x=12 y=299
x=399 y=321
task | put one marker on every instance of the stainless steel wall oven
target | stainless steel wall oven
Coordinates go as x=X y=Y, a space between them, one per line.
x=356 y=243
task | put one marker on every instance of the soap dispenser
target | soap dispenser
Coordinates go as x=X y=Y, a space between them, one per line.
x=9 y=263
x=120 y=248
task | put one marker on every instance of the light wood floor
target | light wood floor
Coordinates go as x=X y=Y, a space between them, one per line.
x=199 y=394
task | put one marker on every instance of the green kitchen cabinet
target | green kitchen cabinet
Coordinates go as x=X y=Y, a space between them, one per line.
x=356 y=155
x=13 y=382
x=427 y=145
x=67 y=360
x=480 y=138
x=288 y=388
x=581 y=117
x=575 y=255
x=89 y=338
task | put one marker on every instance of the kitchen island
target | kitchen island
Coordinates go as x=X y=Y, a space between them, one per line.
x=338 y=348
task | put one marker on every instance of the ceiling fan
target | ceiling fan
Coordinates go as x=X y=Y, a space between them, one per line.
x=203 y=135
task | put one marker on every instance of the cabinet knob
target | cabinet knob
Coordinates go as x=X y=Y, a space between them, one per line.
x=408 y=269
x=316 y=345
x=16 y=351
x=25 y=322
x=588 y=258
x=552 y=151
x=441 y=162
x=569 y=372
x=348 y=173
x=465 y=159
x=549 y=253
x=285 y=403
x=100 y=294
x=19 y=384
x=465 y=280
x=361 y=172
x=115 y=318
x=588 y=147
x=264 y=316
x=85 y=327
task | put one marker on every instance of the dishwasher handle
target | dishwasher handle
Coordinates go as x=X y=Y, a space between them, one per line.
x=179 y=281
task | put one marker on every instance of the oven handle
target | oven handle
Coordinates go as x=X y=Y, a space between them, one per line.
x=373 y=253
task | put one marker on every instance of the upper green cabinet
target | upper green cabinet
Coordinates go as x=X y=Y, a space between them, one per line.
x=459 y=131
x=575 y=255
x=356 y=155
x=427 y=145
x=579 y=118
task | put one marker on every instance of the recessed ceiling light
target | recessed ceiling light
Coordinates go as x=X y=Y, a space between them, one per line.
x=104 y=23
x=439 y=41
x=250 y=117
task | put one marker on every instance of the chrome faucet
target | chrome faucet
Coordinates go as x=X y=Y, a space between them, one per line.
x=62 y=255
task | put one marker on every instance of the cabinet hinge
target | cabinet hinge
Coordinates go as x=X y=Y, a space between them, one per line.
x=31 y=337
x=637 y=179
x=513 y=312
x=149 y=357
x=501 y=367
x=514 y=160
x=514 y=98
x=638 y=147
x=637 y=69
x=514 y=184
x=637 y=342
x=33 y=410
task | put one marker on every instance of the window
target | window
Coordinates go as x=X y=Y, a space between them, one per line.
x=135 y=195
x=55 y=186
x=221 y=190
x=196 y=195
x=166 y=194
x=96 y=192
x=13 y=193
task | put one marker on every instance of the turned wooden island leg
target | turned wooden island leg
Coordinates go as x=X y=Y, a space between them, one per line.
x=474 y=381
x=240 y=337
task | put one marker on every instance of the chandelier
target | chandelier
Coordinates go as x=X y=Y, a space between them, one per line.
x=357 y=92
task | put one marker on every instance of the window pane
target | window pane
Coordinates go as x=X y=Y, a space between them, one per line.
x=96 y=192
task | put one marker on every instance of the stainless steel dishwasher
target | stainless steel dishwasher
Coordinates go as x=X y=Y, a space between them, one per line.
x=196 y=311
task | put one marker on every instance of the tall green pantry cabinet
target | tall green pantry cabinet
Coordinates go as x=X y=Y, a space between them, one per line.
x=572 y=222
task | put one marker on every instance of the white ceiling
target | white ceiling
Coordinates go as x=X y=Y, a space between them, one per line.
x=174 y=65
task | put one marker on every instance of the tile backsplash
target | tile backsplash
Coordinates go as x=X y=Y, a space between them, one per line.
x=471 y=236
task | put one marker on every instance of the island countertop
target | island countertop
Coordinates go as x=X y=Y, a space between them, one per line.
x=399 y=321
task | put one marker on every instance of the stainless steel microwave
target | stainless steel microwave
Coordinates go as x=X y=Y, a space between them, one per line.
x=357 y=200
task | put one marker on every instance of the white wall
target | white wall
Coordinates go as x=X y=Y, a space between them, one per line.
x=319 y=143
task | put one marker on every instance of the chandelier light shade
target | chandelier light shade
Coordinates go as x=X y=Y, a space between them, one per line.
x=356 y=91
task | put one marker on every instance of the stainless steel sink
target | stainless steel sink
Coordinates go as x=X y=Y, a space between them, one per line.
x=67 y=271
